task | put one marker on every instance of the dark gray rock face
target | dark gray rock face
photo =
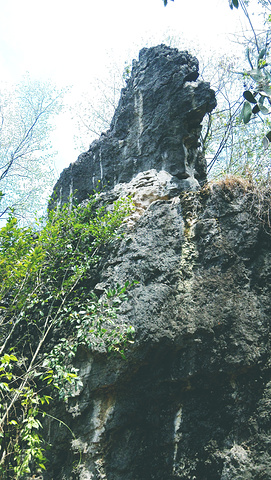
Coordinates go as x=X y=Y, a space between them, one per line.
x=156 y=125
x=192 y=401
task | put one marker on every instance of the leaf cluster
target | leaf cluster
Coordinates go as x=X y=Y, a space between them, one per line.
x=258 y=100
x=48 y=310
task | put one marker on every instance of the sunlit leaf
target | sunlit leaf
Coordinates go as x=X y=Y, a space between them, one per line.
x=13 y=422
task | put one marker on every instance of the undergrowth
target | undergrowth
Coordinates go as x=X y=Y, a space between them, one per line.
x=47 y=309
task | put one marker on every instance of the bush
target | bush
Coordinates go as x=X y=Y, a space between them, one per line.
x=46 y=311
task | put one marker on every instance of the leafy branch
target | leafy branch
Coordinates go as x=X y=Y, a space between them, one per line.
x=47 y=310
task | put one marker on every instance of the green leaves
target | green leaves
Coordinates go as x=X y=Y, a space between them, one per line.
x=43 y=279
x=262 y=91
x=259 y=106
x=249 y=97
x=234 y=3
x=6 y=359
x=246 y=112
x=25 y=445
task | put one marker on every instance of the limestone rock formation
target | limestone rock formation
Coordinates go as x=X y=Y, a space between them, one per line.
x=192 y=399
x=156 y=125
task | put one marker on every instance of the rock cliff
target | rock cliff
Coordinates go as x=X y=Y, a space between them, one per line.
x=192 y=400
x=157 y=124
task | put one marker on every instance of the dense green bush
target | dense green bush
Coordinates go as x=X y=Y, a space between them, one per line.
x=48 y=309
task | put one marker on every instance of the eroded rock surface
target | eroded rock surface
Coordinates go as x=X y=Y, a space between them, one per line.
x=192 y=401
x=156 y=125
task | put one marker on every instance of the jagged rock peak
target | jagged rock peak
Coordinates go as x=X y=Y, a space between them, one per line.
x=156 y=125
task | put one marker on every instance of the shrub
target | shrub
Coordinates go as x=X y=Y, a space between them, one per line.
x=47 y=310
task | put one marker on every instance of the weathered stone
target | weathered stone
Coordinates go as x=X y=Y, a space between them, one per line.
x=192 y=401
x=156 y=125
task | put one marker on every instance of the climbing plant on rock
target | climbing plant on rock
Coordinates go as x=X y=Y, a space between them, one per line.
x=47 y=310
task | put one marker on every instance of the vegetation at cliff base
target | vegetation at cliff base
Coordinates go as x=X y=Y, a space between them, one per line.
x=47 y=311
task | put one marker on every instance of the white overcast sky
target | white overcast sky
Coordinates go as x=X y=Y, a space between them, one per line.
x=68 y=41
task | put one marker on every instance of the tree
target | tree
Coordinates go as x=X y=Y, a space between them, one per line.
x=257 y=79
x=237 y=134
x=230 y=145
x=26 y=162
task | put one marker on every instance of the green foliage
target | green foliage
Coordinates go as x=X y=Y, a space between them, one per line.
x=235 y=138
x=48 y=310
x=261 y=96
x=258 y=78
x=234 y=3
x=20 y=440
